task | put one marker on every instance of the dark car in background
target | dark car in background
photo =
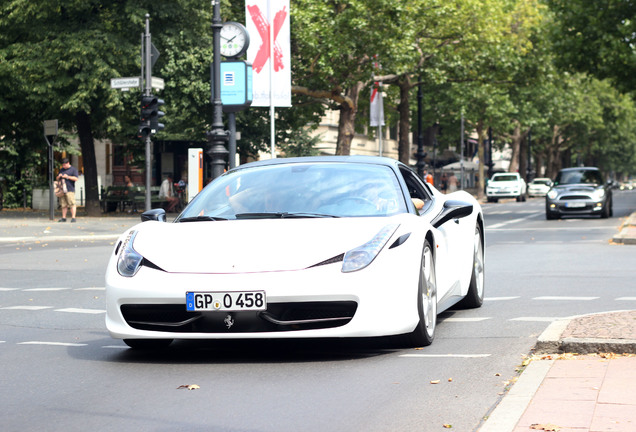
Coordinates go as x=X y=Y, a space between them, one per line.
x=579 y=191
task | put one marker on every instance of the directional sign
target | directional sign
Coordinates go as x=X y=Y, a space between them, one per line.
x=157 y=83
x=125 y=82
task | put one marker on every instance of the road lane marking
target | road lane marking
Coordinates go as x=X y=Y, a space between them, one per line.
x=466 y=319
x=90 y=289
x=501 y=298
x=446 y=355
x=8 y=289
x=78 y=310
x=45 y=289
x=52 y=343
x=565 y=298
x=32 y=308
x=627 y=298
x=115 y=346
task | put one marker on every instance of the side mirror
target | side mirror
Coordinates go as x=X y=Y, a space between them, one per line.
x=452 y=210
x=157 y=214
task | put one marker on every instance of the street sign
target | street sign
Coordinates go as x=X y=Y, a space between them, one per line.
x=157 y=83
x=122 y=83
x=50 y=128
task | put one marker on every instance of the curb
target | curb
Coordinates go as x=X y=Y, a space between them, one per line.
x=627 y=233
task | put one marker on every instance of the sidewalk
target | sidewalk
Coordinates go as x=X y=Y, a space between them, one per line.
x=17 y=226
x=582 y=377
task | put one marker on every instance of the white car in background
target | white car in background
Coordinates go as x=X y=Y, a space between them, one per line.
x=506 y=185
x=539 y=187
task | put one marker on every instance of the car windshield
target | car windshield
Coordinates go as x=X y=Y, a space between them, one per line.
x=541 y=182
x=505 y=178
x=299 y=190
x=579 y=177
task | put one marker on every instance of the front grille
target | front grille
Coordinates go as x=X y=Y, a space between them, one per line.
x=574 y=197
x=279 y=317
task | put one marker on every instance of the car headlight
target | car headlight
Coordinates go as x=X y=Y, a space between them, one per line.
x=553 y=194
x=598 y=194
x=129 y=259
x=360 y=257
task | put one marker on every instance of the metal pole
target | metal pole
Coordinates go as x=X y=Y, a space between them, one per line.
x=217 y=137
x=147 y=92
x=51 y=189
x=272 y=118
x=461 y=156
x=231 y=118
x=420 y=137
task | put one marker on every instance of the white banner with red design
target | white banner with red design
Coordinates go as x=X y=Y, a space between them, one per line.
x=259 y=15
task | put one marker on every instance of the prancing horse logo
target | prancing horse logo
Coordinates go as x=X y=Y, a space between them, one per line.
x=229 y=322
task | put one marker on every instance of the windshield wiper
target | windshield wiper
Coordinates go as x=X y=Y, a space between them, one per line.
x=201 y=218
x=282 y=215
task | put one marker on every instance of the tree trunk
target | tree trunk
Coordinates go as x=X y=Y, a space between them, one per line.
x=346 y=122
x=87 y=144
x=515 y=144
x=481 y=135
x=404 y=145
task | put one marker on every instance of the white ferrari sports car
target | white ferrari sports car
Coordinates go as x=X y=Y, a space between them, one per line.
x=315 y=247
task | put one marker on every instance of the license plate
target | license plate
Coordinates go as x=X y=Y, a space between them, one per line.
x=226 y=301
x=574 y=205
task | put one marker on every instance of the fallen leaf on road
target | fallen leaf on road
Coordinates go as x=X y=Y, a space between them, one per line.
x=546 y=427
x=189 y=386
x=448 y=426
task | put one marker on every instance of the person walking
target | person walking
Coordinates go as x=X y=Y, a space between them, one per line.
x=69 y=175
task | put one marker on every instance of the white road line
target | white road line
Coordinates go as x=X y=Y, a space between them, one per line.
x=45 y=289
x=446 y=355
x=626 y=298
x=85 y=311
x=565 y=298
x=8 y=289
x=33 y=308
x=90 y=289
x=115 y=346
x=536 y=319
x=466 y=319
x=501 y=298
x=51 y=343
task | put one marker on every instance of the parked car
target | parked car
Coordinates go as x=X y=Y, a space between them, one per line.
x=539 y=187
x=315 y=247
x=579 y=191
x=506 y=185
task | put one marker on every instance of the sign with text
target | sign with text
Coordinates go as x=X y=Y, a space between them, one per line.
x=269 y=20
x=236 y=85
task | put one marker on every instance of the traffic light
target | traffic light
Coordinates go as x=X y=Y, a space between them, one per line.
x=150 y=115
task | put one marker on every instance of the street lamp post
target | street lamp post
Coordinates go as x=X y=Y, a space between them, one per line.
x=217 y=137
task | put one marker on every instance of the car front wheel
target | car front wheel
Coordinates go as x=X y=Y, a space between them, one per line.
x=424 y=333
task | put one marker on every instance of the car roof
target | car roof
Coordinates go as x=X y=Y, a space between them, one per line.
x=376 y=160
x=580 y=169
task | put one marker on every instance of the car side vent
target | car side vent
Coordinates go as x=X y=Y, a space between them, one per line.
x=152 y=265
x=335 y=259
x=400 y=240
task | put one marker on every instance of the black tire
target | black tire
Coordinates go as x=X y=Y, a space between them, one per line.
x=475 y=295
x=148 y=344
x=424 y=332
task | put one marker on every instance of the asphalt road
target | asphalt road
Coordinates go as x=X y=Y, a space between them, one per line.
x=61 y=371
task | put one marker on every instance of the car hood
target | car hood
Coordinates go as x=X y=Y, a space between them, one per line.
x=576 y=188
x=252 y=245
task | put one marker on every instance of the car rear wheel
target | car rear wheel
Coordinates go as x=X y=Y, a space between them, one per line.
x=424 y=333
x=475 y=295
x=148 y=344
